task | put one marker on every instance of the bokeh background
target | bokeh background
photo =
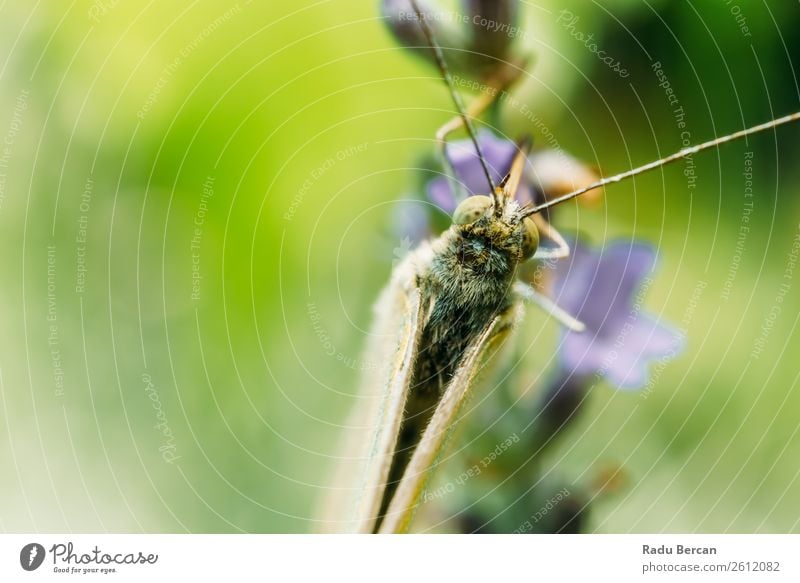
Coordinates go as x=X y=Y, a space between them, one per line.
x=196 y=214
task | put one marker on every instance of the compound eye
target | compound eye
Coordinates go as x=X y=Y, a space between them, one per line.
x=530 y=238
x=471 y=209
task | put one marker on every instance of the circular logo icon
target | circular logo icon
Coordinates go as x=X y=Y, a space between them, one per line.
x=31 y=556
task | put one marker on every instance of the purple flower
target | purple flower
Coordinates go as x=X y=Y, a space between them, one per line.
x=403 y=23
x=411 y=221
x=549 y=173
x=499 y=154
x=603 y=288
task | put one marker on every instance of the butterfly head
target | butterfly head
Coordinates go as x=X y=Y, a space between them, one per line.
x=497 y=222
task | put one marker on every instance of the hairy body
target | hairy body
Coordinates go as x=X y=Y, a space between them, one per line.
x=465 y=278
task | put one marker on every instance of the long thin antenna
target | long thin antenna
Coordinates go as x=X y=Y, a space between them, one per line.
x=658 y=163
x=448 y=79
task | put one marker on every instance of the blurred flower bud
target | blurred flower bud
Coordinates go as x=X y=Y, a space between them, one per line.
x=559 y=405
x=555 y=173
x=493 y=26
x=481 y=37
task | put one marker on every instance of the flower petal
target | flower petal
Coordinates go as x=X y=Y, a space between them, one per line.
x=410 y=221
x=646 y=343
x=582 y=353
x=603 y=288
x=441 y=194
x=499 y=154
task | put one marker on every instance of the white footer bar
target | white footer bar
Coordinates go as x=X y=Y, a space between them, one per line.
x=488 y=559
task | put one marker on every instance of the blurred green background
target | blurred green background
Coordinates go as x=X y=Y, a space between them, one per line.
x=195 y=217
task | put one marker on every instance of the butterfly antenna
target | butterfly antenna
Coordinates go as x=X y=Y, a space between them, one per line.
x=441 y=63
x=664 y=161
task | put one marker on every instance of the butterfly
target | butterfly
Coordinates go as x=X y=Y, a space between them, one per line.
x=449 y=307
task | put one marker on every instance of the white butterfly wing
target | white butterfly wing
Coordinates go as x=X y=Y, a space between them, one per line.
x=430 y=448
x=353 y=502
